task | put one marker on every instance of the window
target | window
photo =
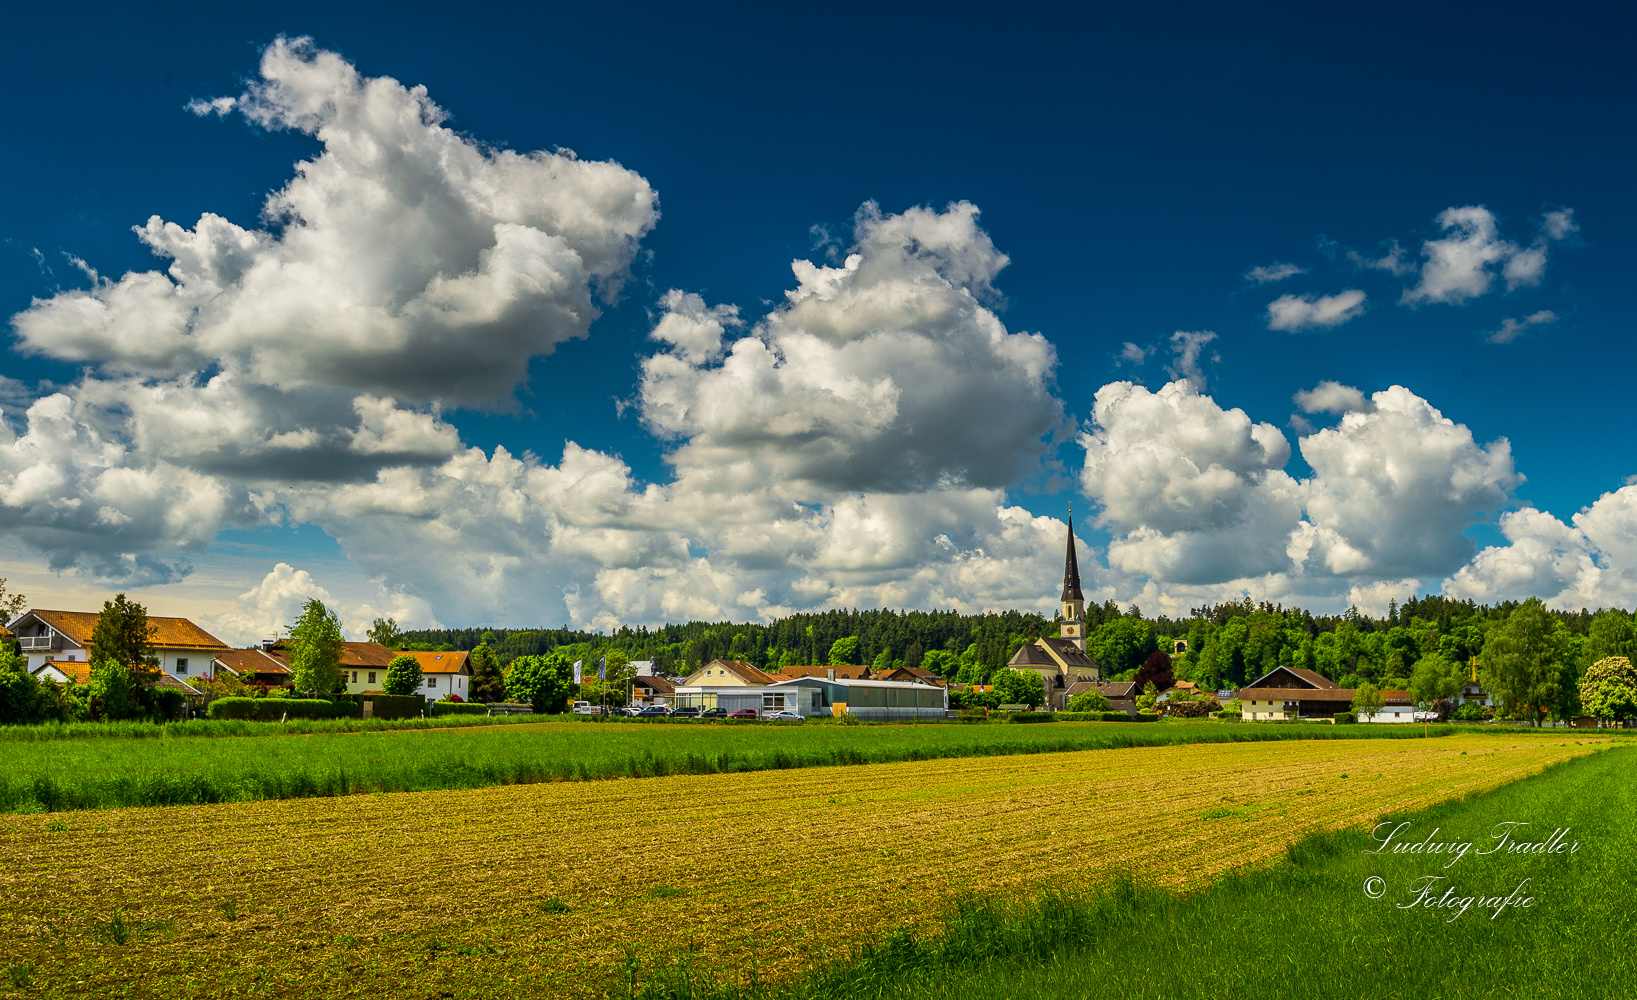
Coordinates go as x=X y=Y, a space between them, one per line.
x=431 y=682
x=355 y=677
x=372 y=677
x=182 y=666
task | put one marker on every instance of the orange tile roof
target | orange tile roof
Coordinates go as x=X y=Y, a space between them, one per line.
x=851 y=673
x=251 y=661
x=439 y=663
x=168 y=633
x=78 y=671
x=354 y=655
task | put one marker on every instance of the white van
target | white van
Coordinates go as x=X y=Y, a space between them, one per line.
x=584 y=708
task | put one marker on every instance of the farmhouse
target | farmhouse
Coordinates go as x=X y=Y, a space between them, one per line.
x=921 y=674
x=182 y=648
x=1291 y=693
x=1121 y=695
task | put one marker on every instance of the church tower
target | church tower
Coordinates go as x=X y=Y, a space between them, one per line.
x=1073 y=625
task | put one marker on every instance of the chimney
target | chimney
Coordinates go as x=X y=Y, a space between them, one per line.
x=831 y=673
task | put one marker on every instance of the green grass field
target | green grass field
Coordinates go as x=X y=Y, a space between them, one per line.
x=164 y=766
x=1307 y=927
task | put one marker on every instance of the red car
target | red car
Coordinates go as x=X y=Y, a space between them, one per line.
x=744 y=713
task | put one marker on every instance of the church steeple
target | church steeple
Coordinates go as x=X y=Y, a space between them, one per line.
x=1073 y=625
x=1071 y=570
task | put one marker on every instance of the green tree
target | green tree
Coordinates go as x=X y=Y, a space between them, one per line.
x=123 y=635
x=315 y=647
x=1122 y=644
x=403 y=675
x=1088 y=701
x=1608 y=689
x=385 y=631
x=1019 y=687
x=1611 y=633
x=24 y=699
x=844 y=652
x=11 y=605
x=883 y=662
x=941 y=662
x=117 y=691
x=543 y=681
x=1367 y=700
x=1150 y=695
x=1524 y=661
x=1434 y=678
x=487 y=683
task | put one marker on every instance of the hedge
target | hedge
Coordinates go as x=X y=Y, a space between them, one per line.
x=1344 y=717
x=1228 y=713
x=1093 y=717
x=1033 y=717
x=457 y=708
x=1144 y=717
x=274 y=709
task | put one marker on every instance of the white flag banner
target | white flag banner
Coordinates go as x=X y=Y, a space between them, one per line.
x=577 y=670
x=602 y=668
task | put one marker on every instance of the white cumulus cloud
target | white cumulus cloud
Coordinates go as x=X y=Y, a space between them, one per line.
x=1304 y=312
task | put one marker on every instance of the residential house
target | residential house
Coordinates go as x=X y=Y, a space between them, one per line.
x=914 y=674
x=444 y=676
x=1396 y=706
x=651 y=690
x=830 y=673
x=183 y=649
x=1291 y=693
x=363 y=664
x=252 y=666
x=63 y=671
x=729 y=673
x=1121 y=695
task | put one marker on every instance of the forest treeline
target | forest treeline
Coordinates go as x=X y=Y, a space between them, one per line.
x=1227 y=644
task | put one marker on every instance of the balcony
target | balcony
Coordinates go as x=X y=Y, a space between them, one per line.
x=39 y=643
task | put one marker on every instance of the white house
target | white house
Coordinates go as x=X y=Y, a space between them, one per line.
x=1396 y=706
x=184 y=650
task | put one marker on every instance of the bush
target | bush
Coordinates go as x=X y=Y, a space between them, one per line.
x=1192 y=709
x=1469 y=711
x=25 y=699
x=1032 y=716
x=1343 y=718
x=1093 y=717
x=273 y=709
x=1231 y=713
x=403 y=675
x=1144 y=717
x=456 y=708
x=1089 y=701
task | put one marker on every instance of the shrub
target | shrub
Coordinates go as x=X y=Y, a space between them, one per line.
x=403 y=675
x=1088 y=701
x=1191 y=709
x=1469 y=711
x=273 y=709
x=1032 y=716
x=1144 y=717
x=1342 y=718
x=1231 y=713
x=456 y=708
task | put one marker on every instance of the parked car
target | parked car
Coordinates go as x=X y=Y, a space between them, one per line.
x=686 y=713
x=584 y=708
x=714 y=713
x=744 y=713
x=653 y=710
x=782 y=716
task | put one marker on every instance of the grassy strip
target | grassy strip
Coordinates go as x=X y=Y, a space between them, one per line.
x=1302 y=928
x=227 y=728
x=114 y=773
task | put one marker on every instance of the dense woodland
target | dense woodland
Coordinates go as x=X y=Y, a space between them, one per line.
x=1429 y=645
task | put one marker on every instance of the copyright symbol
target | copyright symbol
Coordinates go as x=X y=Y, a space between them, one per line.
x=1374 y=887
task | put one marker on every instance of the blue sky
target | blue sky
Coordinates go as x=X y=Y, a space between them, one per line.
x=1133 y=166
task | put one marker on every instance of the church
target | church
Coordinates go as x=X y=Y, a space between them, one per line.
x=1062 y=662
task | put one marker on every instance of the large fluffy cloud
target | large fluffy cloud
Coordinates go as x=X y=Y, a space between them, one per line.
x=1196 y=494
x=1588 y=563
x=405 y=258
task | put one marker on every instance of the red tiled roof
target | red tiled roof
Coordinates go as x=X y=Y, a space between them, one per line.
x=433 y=663
x=250 y=661
x=168 y=633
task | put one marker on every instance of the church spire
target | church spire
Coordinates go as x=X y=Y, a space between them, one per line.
x=1071 y=570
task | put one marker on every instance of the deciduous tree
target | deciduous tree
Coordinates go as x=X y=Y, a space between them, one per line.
x=385 y=631
x=1608 y=689
x=844 y=652
x=403 y=675
x=1367 y=700
x=315 y=647
x=545 y=682
x=1524 y=661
